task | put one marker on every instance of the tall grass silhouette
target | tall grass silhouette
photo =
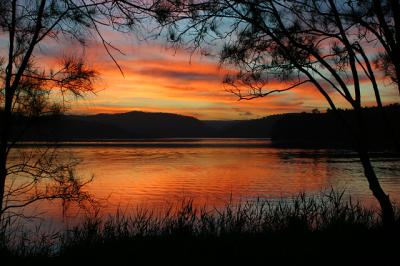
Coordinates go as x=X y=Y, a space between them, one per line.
x=304 y=230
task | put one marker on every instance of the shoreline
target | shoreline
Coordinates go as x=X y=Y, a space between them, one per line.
x=306 y=231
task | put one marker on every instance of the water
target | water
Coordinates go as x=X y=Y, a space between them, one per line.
x=153 y=174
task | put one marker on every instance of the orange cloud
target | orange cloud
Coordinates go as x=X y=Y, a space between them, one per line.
x=166 y=80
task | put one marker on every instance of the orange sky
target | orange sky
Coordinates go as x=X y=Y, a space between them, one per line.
x=159 y=79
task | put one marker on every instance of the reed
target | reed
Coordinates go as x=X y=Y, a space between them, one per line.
x=301 y=230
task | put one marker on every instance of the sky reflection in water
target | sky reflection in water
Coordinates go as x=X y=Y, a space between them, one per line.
x=213 y=172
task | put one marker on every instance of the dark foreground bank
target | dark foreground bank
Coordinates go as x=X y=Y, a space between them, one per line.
x=324 y=230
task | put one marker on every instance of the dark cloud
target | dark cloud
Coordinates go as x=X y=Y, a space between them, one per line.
x=243 y=112
x=180 y=75
x=289 y=103
x=247 y=113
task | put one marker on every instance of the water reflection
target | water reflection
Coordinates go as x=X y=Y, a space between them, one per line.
x=213 y=172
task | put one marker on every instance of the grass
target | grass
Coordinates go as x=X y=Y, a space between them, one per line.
x=306 y=230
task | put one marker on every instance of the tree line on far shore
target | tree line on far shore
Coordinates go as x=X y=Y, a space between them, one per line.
x=305 y=129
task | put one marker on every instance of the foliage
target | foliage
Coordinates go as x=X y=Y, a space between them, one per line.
x=252 y=232
x=31 y=89
x=278 y=46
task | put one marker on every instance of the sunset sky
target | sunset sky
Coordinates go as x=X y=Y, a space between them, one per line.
x=158 y=78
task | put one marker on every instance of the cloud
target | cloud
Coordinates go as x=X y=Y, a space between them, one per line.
x=164 y=80
x=179 y=74
x=247 y=113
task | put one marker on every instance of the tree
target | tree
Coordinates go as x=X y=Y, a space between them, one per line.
x=381 y=19
x=325 y=43
x=29 y=90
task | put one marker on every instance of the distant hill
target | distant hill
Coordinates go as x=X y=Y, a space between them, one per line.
x=149 y=125
x=139 y=125
x=291 y=130
x=253 y=128
x=327 y=130
x=112 y=126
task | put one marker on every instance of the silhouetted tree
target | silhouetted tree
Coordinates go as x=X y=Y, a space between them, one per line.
x=381 y=21
x=29 y=89
x=317 y=42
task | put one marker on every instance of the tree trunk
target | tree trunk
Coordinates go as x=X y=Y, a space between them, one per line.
x=3 y=165
x=4 y=138
x=3 y=175
x=387 y=211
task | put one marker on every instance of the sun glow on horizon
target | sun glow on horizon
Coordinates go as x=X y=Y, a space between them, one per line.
x=158 y=79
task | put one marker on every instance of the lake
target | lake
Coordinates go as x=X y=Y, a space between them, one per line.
x=212 y=172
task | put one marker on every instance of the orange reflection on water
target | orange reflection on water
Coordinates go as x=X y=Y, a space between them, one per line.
x=214 y=172
x=208 y=175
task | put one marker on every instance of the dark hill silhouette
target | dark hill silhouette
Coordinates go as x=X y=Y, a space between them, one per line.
x=138 y=125
x=291 y=130
x=253 y=128
x=65 y=127
x=151 y=125
x=110 y=126
x=327 y=130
